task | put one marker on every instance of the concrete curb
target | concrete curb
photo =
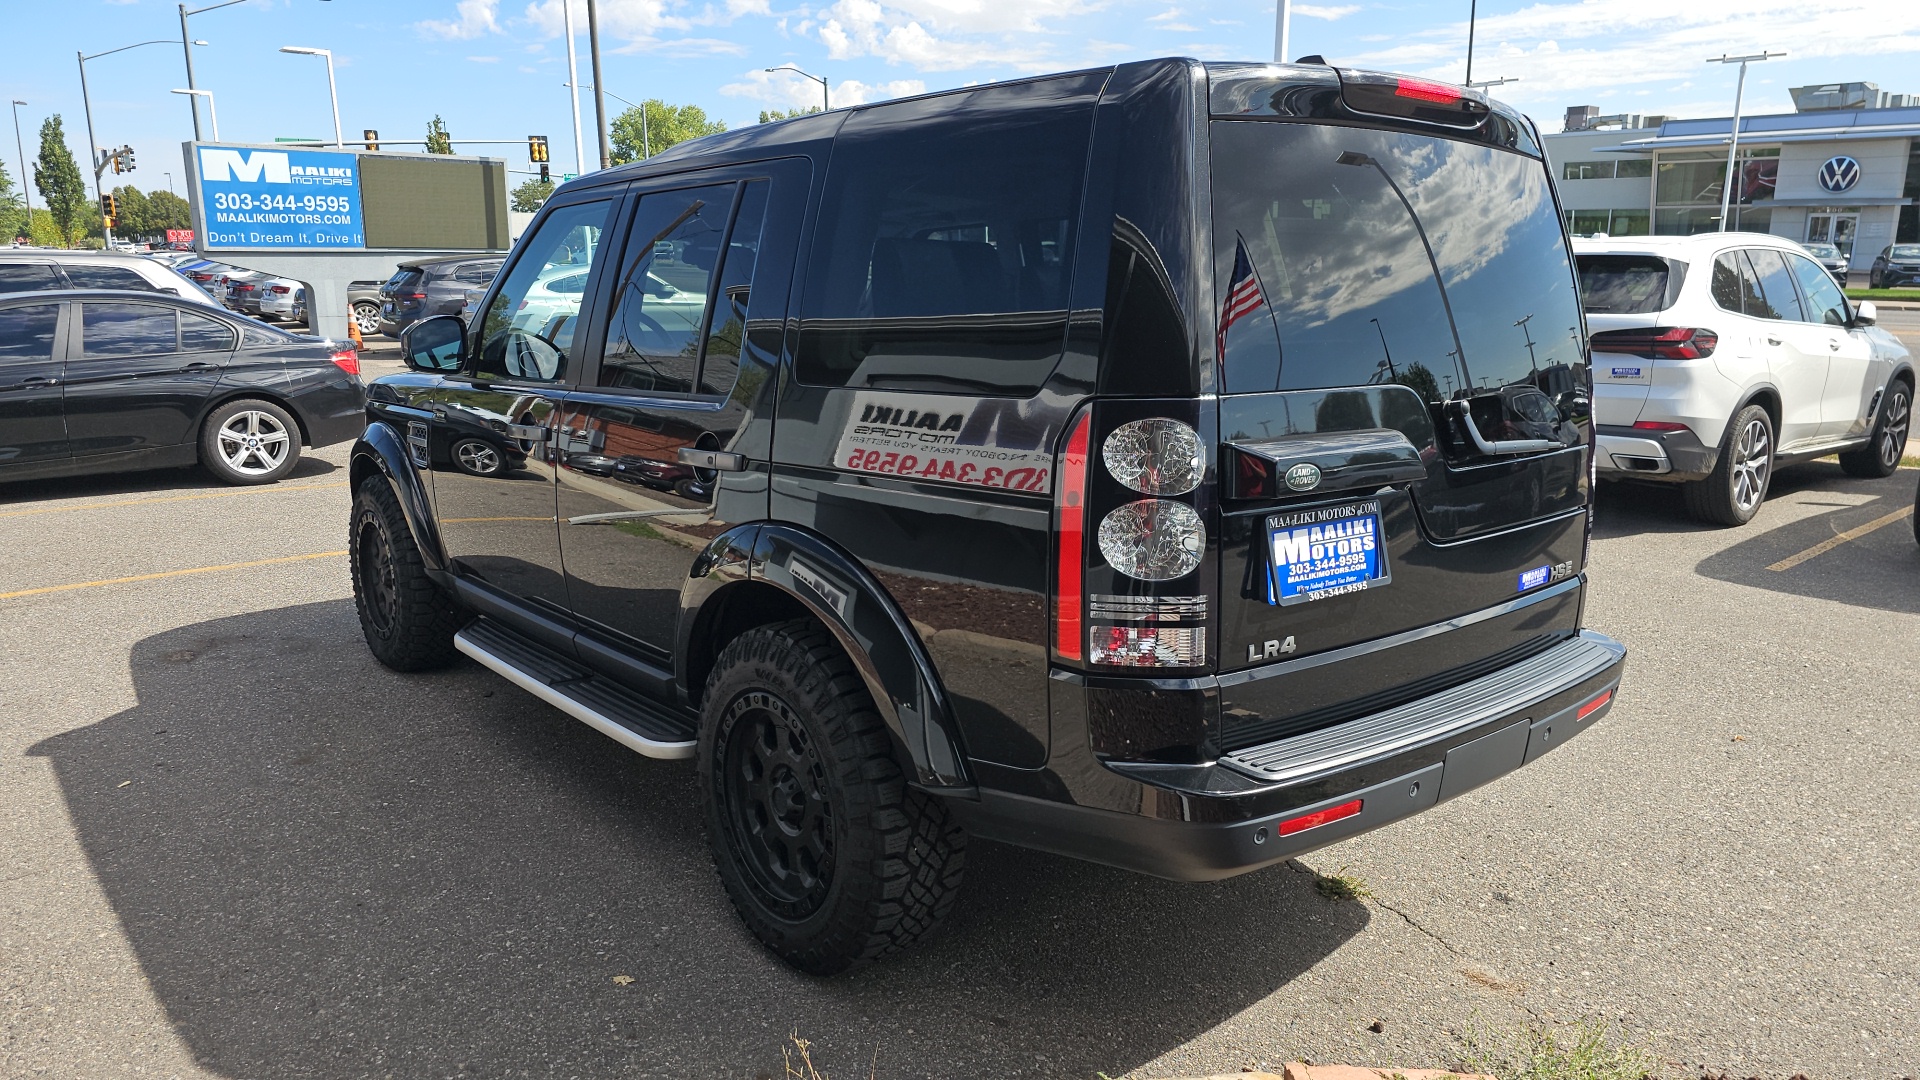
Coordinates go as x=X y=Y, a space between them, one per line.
x=1294 y=1070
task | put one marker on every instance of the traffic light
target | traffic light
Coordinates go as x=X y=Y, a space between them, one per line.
x=109 y=208
x=537 y=149
x=114 y=160
x=126 y=159
x=545 y=176
x=373 y=138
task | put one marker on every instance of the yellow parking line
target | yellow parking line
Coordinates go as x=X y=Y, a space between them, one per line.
x=268 y=490
x=1825 y=546
x=166 y=574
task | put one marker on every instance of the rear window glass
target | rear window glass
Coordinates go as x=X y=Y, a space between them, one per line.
x=84 y=276
x=1623 y=284
x=27 y=277
x=945 y=241
x=1340 y=252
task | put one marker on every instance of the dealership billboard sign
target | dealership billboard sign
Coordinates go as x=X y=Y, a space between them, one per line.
x=286 y=199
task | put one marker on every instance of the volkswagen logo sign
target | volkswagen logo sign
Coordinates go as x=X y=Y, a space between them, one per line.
x=1840 y=173
x=1304 y=476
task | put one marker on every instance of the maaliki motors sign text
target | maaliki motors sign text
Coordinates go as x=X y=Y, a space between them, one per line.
x=295 y=199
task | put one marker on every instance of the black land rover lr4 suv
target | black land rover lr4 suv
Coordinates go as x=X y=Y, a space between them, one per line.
x=1176 y=465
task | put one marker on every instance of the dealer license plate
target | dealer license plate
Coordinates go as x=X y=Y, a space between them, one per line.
x=1325 y=552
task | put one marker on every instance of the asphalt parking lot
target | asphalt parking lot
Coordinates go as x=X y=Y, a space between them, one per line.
x=237 y=847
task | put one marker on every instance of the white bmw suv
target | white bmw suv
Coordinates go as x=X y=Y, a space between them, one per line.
x=1720 y=356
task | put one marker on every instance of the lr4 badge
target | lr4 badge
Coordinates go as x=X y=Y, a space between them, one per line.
x=1325 y=552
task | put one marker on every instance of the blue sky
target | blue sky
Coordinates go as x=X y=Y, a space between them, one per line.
x=495 y=69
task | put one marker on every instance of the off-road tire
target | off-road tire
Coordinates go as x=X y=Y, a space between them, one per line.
x=896 y=860
x=408 y=621
x=1714 y=499
x=214 y=453
x=1881 y=456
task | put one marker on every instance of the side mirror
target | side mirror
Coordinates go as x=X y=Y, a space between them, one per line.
x=434 y=344
x=1865 y=314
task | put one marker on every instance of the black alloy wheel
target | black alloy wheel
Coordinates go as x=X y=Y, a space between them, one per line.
x=778 y=808
x=408 y=621
x=1888 y=441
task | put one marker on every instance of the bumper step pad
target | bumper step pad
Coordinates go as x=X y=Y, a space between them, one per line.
x=1465 y=706
x=639 y=723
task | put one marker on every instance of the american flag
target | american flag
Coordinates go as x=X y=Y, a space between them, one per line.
x=1243 y=295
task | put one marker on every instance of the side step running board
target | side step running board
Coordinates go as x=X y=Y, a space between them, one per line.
x=638 y=723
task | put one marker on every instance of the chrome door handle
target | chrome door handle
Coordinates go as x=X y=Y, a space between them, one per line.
x=198 y=367
x=1773 y=341
x=712 y=459
x=39 y=380
x=1832 y=344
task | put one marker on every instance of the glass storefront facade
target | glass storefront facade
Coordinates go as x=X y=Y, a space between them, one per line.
x=1687 y=187
x=1611 y=222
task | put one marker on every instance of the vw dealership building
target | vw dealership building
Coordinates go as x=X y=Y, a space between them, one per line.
x=1844 y=168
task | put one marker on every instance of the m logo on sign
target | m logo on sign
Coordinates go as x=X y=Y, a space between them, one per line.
x=245 y=166
x=1840 y=173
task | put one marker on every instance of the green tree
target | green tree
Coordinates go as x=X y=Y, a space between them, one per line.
x=529 y=196
x=438 y=141
x=1417 y=376
x=60 y=183
x=169 y=211
x=136 y=213
x=43 y=231
x=636 y=135
x=768 y=116
x=13 y=208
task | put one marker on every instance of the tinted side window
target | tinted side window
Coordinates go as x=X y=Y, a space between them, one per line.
x=476 y=273
x=108 y=329
x=527 y=332
x=1729 y=275
x=1824 y=301
x=26 y=332
x=107 y=277
x=201 y=334
x=653 y=337
x=720 y=361
x=1777 y=299
x=946 y=233
x=27 y=277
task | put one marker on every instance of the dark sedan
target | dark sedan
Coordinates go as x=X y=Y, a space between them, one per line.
x=1895 y=266
x=100 y=380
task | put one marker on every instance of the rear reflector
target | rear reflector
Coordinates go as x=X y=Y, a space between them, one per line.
x=1422 y=90
x=347 y=360
x=1149 y=646
x=1587 y=709
x=1320 y=817
x=1658 y=425
x=1070 y=530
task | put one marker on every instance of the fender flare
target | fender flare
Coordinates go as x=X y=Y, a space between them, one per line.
x=856 y=609
x=381 y=448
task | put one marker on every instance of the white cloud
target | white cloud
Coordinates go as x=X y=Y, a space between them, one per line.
x=944 y=35
x=790 y=91
x=855 y=92
x=1325 y=11
x=472 y=18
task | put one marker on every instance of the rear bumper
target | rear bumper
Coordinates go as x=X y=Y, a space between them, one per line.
x=1653 y=455
x=1213 y=820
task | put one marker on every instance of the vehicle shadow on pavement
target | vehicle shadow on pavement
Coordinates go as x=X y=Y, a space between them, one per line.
x=1879 y=568
x=146 y=481
x=330 y=870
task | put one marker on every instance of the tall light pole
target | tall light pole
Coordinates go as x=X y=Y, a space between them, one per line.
x=184 y=38
x=573 y=91
x=169 y=177
x=1473 y=16
x=211 y=111
x=1733 y=144
x=332 y=91
x=826 y=100
x=86 y=103
x=1283 y=32
x=26 y=181
x=599 y=96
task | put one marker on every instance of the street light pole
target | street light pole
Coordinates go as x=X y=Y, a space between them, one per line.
x=211 y=111
x=93 y=148
x=1733 y=143
x=26 y=182
x=826 y=100
x=188 y=49
x=646 y=140
x=333 y=92
x=599 y=96
x=573 y=91
x=1283 y=32
x=1473 y=16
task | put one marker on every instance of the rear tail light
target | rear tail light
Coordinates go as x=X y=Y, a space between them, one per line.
x=347 y=360
x=1149 y=646
x=1155 y=457
x=417 y=296
x=1070 y=527
x=281 y=290
x=1153 y=539
x=1321 y=817
x=1659 y=342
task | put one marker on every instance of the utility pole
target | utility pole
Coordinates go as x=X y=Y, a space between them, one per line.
x=1283 y=32
x=187 y=44
x=573 y=91
x=1473 y=16
x=1733 y=143
x=599 y=95
x=26 y=176
x=93 y=148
